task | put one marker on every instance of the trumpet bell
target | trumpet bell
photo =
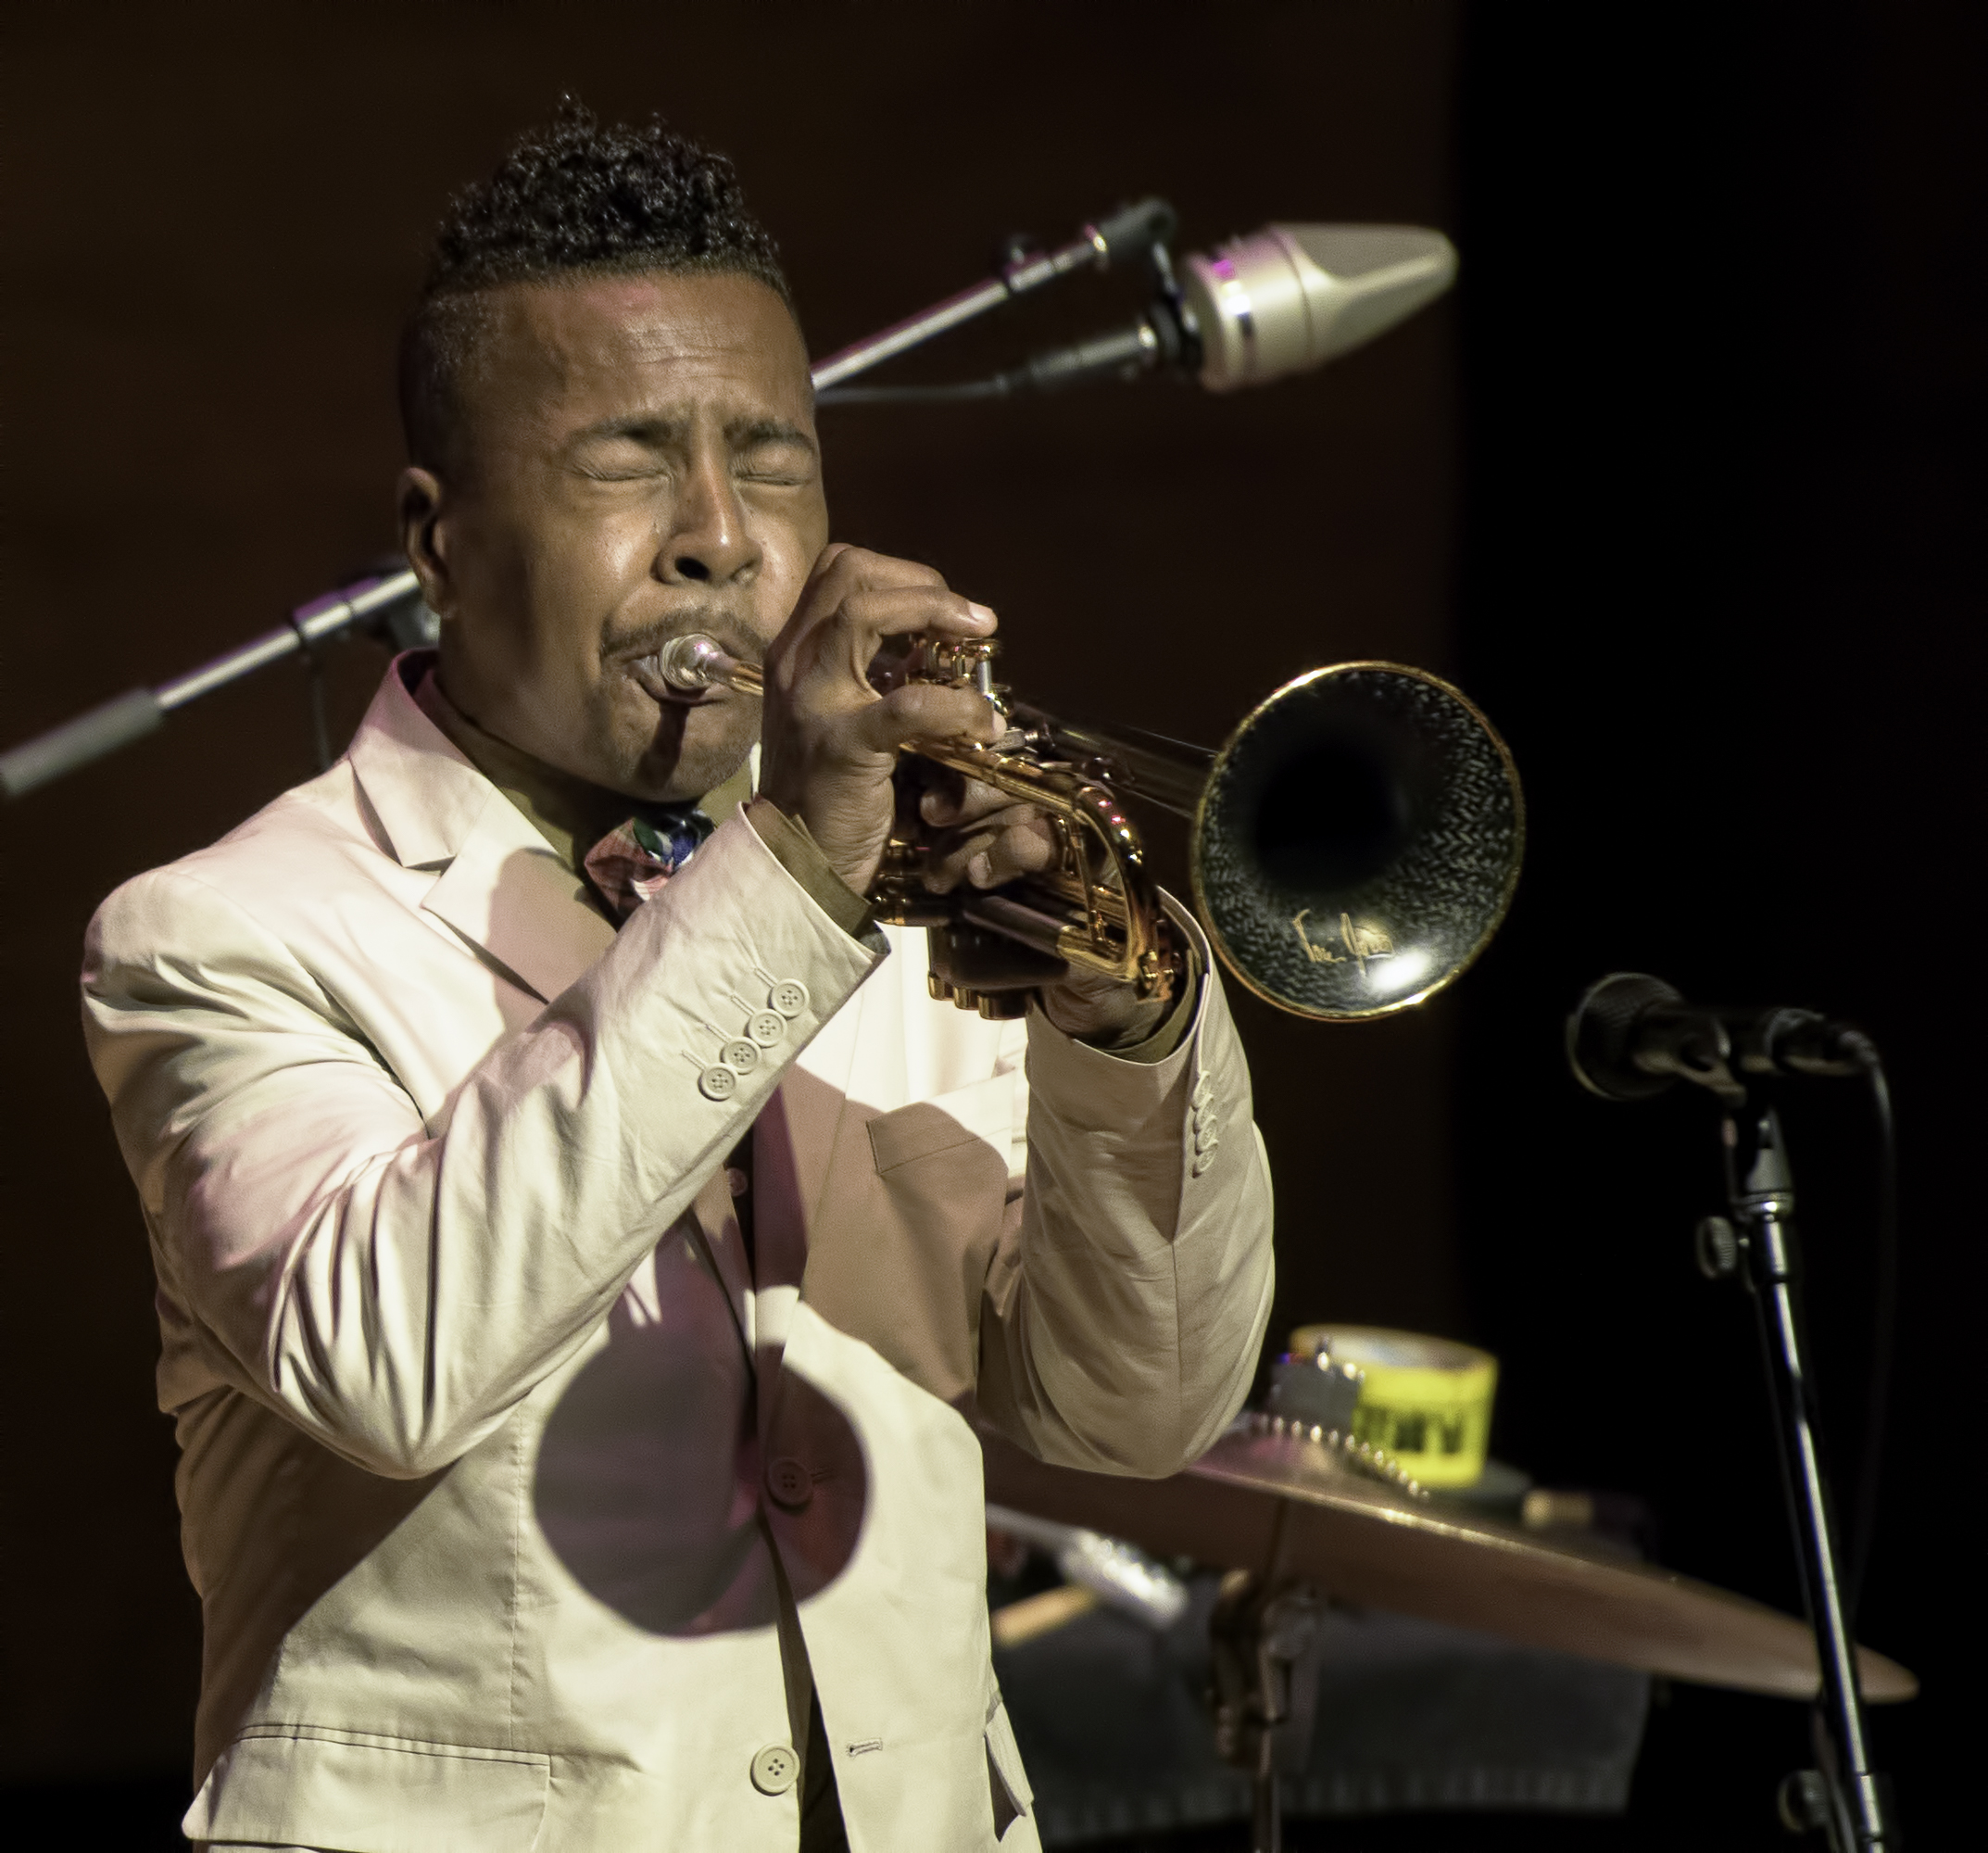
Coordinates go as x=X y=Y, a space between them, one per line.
x=1357 y=841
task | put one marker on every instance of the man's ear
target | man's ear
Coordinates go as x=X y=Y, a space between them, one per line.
x=422 y=538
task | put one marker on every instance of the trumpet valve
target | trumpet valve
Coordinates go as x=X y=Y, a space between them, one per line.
x=961 y=663
x=997 y=1006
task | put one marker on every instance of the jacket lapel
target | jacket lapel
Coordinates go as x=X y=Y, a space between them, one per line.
x=508 y=895
x=500 y=885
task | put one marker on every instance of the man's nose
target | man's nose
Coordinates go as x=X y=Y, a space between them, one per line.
x=707 y=541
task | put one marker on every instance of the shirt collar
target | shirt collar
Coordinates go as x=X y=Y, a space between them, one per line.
x=569 y=813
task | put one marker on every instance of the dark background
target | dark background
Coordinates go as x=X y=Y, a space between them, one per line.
x=1683 y=482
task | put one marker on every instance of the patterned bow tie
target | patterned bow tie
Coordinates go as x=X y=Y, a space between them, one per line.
x=630 y=864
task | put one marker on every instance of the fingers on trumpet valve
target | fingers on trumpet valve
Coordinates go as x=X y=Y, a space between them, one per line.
x=1007 y=845
x=931 y=711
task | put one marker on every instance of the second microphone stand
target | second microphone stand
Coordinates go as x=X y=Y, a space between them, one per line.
x=1844 y=1797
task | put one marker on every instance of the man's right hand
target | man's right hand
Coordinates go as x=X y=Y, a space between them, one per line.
x=828 y=740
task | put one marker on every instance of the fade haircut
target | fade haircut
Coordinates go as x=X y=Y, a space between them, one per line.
x=572 y=199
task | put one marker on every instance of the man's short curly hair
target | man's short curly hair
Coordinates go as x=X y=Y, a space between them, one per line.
x=572 y=198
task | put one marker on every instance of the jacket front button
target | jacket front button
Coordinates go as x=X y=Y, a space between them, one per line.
x=774 y=1768
x=788 y=1482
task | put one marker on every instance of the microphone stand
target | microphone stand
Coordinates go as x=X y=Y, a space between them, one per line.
x=389 y=604
x=1844 y=1797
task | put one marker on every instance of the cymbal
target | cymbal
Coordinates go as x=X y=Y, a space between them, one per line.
x=1285 y=1505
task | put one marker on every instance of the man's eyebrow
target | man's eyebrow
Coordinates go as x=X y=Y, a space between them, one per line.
x=656 y=429
x=651 y=428
x=750 y=431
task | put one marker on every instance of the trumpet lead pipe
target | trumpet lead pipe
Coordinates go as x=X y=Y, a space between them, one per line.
x=697 y=662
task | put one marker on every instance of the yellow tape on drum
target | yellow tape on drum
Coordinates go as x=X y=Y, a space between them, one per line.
x=1426 y=1401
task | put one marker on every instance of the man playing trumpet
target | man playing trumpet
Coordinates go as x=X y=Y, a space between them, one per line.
x=583 y=1245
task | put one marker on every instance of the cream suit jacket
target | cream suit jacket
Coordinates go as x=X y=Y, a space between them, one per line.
x=497 y=1451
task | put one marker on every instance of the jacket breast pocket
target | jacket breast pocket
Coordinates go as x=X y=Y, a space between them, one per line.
x=985 y=1111
x=909 y=1227
x=923 y=1131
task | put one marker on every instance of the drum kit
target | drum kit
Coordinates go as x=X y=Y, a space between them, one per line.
x=1301 y=1522
x=1284 y=1506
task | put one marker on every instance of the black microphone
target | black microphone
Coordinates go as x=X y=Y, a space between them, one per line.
x=1632 y=1036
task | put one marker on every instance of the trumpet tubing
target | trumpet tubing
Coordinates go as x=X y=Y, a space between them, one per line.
x=1354 y=842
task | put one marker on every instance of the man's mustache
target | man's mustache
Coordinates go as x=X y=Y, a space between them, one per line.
x=725 y=628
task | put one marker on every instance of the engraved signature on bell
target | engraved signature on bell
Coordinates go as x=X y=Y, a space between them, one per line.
x=1361 y=939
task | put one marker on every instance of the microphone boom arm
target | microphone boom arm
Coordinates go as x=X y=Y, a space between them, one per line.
x=390 y=603
x=1132 y=231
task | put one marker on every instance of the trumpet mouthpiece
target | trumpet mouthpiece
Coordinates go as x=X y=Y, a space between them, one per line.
x=691 y=662
x=697 y=662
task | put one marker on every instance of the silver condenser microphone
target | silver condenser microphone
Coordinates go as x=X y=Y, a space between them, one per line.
x=1290 y=297
x=1279 y=301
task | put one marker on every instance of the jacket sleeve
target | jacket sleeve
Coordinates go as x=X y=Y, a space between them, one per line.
x=394 y=1288
x=1127 y=1306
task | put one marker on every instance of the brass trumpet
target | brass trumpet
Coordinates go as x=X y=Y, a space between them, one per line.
x=1354 y=844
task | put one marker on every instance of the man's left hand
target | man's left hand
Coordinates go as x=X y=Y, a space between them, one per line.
x=982 y=837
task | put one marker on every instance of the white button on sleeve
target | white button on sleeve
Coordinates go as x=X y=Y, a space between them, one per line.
x=718 y=1082
x=789 y=997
